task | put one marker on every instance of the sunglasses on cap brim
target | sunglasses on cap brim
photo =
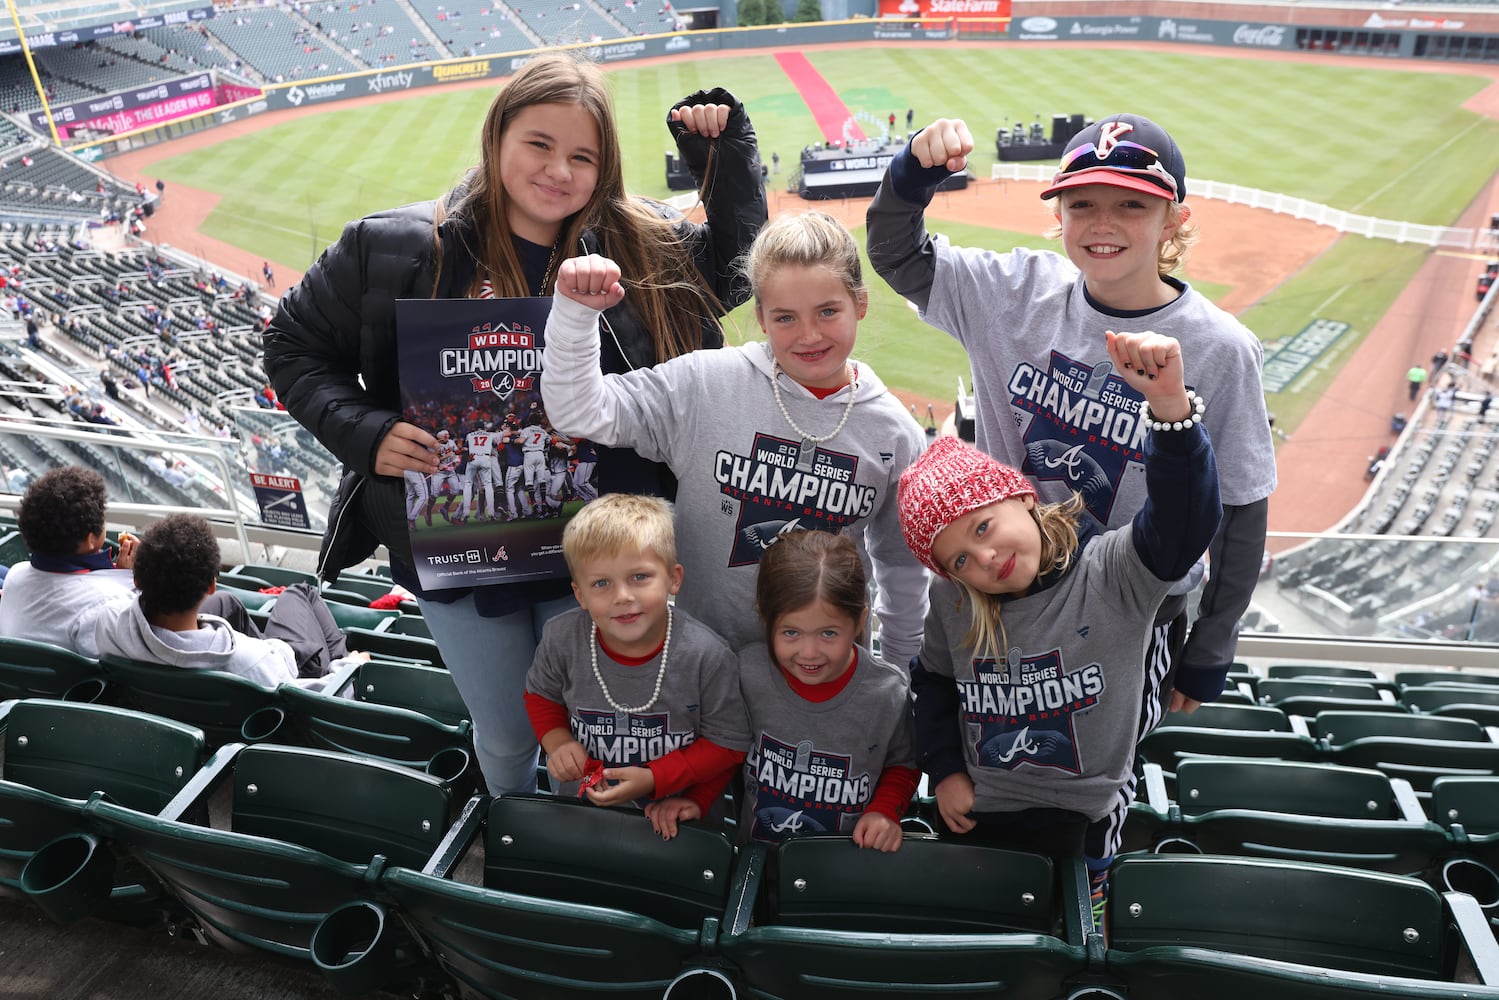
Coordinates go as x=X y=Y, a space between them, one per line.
x=1122 y=156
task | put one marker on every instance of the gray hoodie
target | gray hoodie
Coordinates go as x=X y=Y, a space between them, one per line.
x=213 y=645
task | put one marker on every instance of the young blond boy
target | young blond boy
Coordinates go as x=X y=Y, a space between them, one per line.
x=634 y=701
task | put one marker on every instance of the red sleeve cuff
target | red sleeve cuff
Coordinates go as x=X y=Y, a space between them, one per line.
x=545 y=715
x=892 y=795
x=700 y=761
x=705 y=793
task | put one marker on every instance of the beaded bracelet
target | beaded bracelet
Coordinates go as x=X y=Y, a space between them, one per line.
x=1198 y=408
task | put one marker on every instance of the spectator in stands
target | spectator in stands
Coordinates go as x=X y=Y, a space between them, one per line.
x=176 y=571
x=495 y=234
x=1120 y=187
x=1442 y=399
x=70 y=580
x=33 y=333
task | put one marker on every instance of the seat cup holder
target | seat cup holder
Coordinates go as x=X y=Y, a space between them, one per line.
x=1175 y=845
x=1473 y=877
x=70 y=877
x=352 y=947
x=262 y=724
x=700 y=984
x=88 y=690
x=449 y=764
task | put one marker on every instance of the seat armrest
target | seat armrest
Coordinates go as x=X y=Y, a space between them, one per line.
x=1405 y=798
x=749 y=875
x=1155 y=788
x=456 y=842
x=1477 y=938
x=203 y=784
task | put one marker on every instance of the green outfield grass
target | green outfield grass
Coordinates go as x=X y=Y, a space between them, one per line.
x=1382 y=142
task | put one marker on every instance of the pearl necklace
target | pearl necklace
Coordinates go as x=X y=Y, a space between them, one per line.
x=660 y=674
x=804 y=459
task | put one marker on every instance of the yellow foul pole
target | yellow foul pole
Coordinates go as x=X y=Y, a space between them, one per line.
x=36 y=80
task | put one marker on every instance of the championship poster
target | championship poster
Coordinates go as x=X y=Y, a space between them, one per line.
x=506 y=482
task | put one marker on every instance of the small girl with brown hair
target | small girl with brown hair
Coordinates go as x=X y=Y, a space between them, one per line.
x=830 y=723
x=1032 y=668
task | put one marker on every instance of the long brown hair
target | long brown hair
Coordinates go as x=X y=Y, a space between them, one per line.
x=666 y=289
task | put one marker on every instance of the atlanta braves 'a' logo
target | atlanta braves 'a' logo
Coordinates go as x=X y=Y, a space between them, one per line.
x=1084 y=429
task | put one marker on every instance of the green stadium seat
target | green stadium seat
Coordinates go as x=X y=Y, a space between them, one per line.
x=386 y=733
x=13 y=548
x=1306 y=696
x=360 y=616
x=308 y=832
x=1468 y=807
x=1440 y=678
x=409 y=625
x=366 y=586
x=1298 y=811
x=243 y=581
x=1236 y=929
x=228 y=708
x=253 y=600
x=819 y=917
x=278 y=576
x=1475 y=702
x=31 y=669
x=427 y=690
x=58 y=753
x=1419 y=749
x=390 y=646
x=1291 y=671
x=1227 y=731
x=577 y=901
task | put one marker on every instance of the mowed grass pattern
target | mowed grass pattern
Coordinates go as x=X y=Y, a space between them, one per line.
x=1383 y=142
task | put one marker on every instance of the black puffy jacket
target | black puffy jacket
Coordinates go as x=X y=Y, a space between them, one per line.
x=336 y=328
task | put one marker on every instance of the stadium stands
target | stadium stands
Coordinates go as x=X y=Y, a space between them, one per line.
x=278 y=44
x=470 y=27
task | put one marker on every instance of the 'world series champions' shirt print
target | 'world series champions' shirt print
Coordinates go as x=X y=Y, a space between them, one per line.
x=507 y=482
x=777 y=495
x=1085 y=430
x=802 y=788
x=1021 y=711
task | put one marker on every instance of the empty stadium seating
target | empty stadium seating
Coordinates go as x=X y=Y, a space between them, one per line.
x=1235 y=929
x=307 y=832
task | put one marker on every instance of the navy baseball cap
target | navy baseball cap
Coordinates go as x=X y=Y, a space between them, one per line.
x=1124 y=151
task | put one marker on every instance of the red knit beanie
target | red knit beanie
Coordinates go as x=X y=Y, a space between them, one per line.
x=949 y=480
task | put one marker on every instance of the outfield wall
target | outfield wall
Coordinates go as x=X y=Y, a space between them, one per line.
x=1055 y=25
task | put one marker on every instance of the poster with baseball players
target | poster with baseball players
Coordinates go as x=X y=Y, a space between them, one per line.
x=506 y=483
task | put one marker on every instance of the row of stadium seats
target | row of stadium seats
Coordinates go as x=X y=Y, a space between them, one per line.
x=379 y=877
x=400 y=713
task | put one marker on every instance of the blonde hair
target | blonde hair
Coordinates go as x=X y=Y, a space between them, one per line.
x=1058 y=525
x=616 y=523
x=808 y=239
x=671 y=297
x=1171 y=254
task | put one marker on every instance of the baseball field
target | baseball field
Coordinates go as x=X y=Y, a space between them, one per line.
x=1392 y=141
